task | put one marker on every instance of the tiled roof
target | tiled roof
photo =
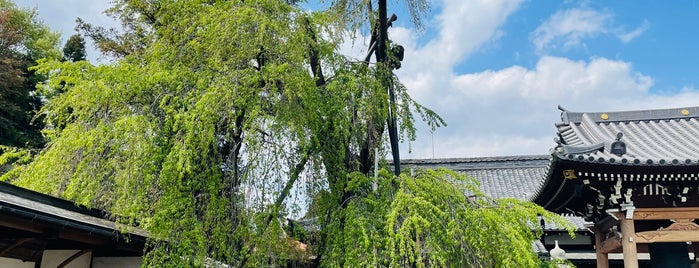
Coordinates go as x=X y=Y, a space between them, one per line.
x=500 y=177
x=578 y=222
x=667 y=137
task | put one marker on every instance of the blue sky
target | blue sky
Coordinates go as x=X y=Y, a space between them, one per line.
x=497 y=69
x=657 y=37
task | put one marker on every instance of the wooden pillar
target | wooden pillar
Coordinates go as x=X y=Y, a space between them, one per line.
x=628 y=243
x=602 y=257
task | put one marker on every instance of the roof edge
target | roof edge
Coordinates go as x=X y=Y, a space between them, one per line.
x=15 y=190
x=636 y=115
x=476 y=159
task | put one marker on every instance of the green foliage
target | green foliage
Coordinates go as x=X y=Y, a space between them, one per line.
x=13 y=156
x=22 y=31
x=218 y=111
x=429 y=221
x=353 y=14
x=191 y=137
x=23 y=40
x=74 y=49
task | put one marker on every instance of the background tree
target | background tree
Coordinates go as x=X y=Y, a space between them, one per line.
x=74 y=49
x=221 y=118
x=23 y=41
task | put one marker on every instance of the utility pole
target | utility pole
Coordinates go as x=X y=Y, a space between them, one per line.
x=378 y=46
x=385 y=71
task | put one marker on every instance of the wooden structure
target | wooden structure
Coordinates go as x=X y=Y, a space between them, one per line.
x=635 y=175
x=38 y=230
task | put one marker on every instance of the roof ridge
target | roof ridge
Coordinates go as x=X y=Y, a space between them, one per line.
x=478 y=159
x=502 y=167
x=632 y=115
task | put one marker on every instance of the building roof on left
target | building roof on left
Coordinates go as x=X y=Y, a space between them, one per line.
x=31 y=222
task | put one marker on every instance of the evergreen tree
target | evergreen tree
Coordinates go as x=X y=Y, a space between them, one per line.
x=74 y=49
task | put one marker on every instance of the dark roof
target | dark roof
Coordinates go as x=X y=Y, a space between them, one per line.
x=500 y=177
x=602 y=154
x=667 y=137
x=16 y=199
x=31 y=222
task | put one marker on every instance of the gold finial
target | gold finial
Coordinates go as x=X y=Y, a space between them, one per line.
x=604 y=116
x=685 y=112
x=569 y=174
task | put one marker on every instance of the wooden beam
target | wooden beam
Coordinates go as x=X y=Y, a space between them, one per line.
x=82 y=237
x=628 y=243
x=18 y=224
x=17 y=243
x=682 y=230
x=666 y=213
x=667 y=236
x=602 y=257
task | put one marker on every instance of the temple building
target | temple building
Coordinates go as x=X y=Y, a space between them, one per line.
x=631 y=177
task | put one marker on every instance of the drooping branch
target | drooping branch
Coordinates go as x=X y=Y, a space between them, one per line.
x=277 y=206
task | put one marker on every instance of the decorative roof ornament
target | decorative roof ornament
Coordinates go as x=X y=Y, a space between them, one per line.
x=618 y=147
x=558 y=253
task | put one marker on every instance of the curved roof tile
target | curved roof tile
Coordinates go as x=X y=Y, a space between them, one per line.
x=665 y=137
x=501 y=177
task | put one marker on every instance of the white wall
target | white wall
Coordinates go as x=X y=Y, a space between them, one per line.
x=53 y=258
x=15 y=263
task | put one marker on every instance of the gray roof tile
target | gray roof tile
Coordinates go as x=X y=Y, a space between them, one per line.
x=652 y=137
x=501 y=177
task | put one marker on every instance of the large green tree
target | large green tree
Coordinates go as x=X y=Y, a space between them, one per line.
x=222 y=118
x=23 y=40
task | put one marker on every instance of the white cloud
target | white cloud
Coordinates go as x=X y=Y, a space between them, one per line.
x=626 y=37
x=513 y=110
x=502 y=112
x=464 y=27
x=555 y=78
x=569 y=28
x=498 y=104
x=455 y=146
